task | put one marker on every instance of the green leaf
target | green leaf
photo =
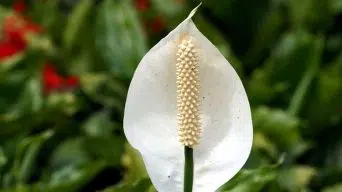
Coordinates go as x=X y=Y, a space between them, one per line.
x=265 y=36
x=27 y=93
x=10 y=62
x=298 y=53
x=326 y=98
x=71 y=179
x=4 y=12
x=336 y=6
x=333 y=158
x=261 y=90
x=240 y=20
x=334 y=188
x=69 y=152
x=281 y=128
x=3 y=161
x=304 y=84
x=315 y=14
x=105 y=89
x=251 y=180
x=27 y=163
x=71 y=166
x=296 y=178
x=119 y=37
x=24 y=159
x=65 y=102
x=48 y=15
x=135 y=168
x=168 y=8
x=106 y=148
x=75 y=23
x=99 y=125
x=99 y=132
x=41 y=43
x=217 y=38
x=144 y=185
x=293 y=55
x=82 y=62
x=261 y=142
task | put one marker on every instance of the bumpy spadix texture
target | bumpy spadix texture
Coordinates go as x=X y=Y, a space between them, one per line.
x=151 y=123
x=188 y=95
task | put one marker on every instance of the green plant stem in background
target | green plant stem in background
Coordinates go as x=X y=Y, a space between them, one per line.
x=302 y=90
x=304 y=84
x=188 y=169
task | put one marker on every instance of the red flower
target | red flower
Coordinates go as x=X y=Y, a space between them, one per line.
x=72 y=81
x=8 y=49
x=52 y=81
x=19 y=6
x=158 y=24
x=142 y=5
x=16 y=28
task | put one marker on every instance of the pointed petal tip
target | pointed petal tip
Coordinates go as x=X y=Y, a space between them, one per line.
x=192 y=13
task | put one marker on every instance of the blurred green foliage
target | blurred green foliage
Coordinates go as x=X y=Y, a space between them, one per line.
x=287 y=52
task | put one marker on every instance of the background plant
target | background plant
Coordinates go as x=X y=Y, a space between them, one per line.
x=65 y=67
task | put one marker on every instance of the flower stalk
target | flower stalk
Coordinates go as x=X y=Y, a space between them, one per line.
x=188 y=169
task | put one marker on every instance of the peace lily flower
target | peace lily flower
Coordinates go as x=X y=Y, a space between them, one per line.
x=185 y=96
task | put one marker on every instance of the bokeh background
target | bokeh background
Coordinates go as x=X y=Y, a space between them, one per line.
x=65 y=67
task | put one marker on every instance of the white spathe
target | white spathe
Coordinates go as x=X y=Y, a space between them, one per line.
x=150 y=120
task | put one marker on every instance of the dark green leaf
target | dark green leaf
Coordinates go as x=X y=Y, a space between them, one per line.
x=75 y=22
x=107 y=148
x=99 y=125
x=143 y=185
x=327 y=96
x=280 y=127
x=28 y=101
x=251 y=180
x=336 y=6
x=119 y=37
x=105 y=89
x=296 y=178
x=310 y=13
x=334 y=188
x=135 y=168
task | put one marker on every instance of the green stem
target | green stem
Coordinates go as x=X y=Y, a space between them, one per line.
x=302 y=90
x=188 y=169
x=305 y=82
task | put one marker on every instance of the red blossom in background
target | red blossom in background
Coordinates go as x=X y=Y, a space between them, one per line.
x=8 y=49
x=158 y=24
x=142 y=5
x=72 y=82
x=15 y=30
x=19 y=6
x=52 y=81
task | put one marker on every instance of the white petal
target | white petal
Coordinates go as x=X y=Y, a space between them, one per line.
x=227 y=124
x=150 y=122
